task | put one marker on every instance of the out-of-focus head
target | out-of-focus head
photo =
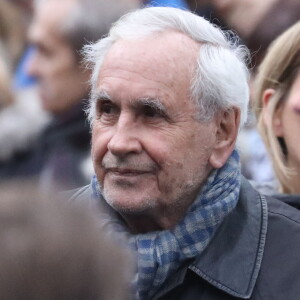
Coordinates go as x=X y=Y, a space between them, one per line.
x=277 y=104
x=54 y=250
x=168 y=92
x=59 y=30
x=278 y=17
x=257 y=22
x=241 y=16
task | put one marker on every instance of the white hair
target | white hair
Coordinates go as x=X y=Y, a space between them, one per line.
x=221 y=78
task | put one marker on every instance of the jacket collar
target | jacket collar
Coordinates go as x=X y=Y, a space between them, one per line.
x=232 y=260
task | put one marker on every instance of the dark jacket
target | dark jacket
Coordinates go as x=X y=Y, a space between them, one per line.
x=57 y=156
x=255 y=254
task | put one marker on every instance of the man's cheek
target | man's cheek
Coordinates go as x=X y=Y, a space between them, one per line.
x=98 y=146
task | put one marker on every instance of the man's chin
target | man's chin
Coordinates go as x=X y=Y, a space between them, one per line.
x=129 y=205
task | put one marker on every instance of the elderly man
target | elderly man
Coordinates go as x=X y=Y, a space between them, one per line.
x=58 y=32
x=169 y=95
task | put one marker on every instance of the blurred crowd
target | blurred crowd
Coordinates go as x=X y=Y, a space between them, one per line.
x=44 y=88
x=45 y=85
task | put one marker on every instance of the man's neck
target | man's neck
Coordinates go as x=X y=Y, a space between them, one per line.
x=160 y=219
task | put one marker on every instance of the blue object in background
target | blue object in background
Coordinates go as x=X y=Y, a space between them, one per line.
x=170 y=3
x=21 y=78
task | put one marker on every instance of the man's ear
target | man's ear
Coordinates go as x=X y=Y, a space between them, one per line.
x=227 y=129
x=274 y=121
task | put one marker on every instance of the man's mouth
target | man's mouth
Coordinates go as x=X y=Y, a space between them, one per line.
x=127 y=172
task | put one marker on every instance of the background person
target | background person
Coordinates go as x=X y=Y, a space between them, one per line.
x=21 y=117
x=278 y=108
x=58 y=31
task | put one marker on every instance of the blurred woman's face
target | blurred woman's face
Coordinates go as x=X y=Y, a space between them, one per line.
x=288 y=124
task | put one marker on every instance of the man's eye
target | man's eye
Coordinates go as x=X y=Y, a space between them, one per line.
x=106 y=108
x=151 y=112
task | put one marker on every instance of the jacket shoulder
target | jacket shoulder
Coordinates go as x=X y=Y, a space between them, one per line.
x=285 y=209
x=279 y=277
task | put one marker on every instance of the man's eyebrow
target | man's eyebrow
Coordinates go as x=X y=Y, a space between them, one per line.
x=154 y=103
x=100 y=96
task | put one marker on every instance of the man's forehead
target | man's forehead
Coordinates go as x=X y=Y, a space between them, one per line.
x=169 y=54
x=168 y=45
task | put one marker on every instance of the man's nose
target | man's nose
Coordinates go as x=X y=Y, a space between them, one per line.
x=125 y=138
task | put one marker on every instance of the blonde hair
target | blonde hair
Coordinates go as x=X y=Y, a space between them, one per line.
x=278 y=71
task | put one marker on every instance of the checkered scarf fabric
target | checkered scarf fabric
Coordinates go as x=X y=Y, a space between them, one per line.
x=161 y=253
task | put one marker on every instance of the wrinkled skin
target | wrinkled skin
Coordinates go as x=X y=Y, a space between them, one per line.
x=151 y=155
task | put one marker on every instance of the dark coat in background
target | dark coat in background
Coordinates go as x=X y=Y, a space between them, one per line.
x=57 y=156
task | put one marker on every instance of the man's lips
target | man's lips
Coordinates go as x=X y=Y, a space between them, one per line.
x=127 y=172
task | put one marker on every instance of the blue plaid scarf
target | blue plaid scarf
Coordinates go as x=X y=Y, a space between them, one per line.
x=161 y=253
